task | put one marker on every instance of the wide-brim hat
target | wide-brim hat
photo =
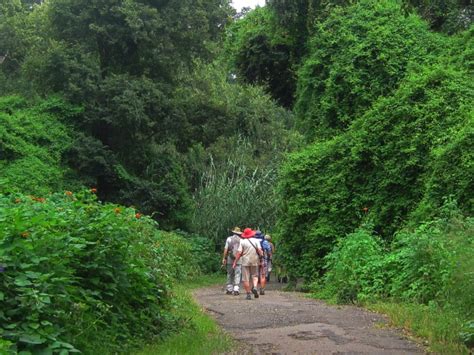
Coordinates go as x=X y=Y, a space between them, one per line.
x=248 y=233
x=237 y=230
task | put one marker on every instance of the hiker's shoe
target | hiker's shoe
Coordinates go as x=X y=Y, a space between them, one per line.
x=255 y=293
x=262 y=292
x=228 y=292
x=236 y=293
x=249 y=297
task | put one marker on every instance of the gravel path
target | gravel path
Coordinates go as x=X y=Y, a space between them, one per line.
x=288 y=323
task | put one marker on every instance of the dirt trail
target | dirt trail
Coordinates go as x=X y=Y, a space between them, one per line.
x=288 y=323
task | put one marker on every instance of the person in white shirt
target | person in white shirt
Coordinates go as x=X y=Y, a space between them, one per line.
x=230 y=252
x=249 y=253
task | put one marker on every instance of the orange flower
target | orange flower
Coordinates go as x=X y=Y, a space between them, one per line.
x=138 y=215
x=17 y=200
x=68 y=193
x=365 y=209
x=39 y=199
x=25 y=234
x=93 y=190
x=117 y=210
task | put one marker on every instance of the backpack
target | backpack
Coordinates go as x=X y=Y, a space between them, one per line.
x=267 y=248
x=233 y=246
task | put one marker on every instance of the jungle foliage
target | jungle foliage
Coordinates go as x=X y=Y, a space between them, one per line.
x=33 y=141
x=385 y=105
x=186 y=112
x=120 y=97
x=79 y=275
x=151 y=109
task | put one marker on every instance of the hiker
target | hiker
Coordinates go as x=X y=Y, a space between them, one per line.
x=268 y=238
x=263 y=267
x=249 y=251
x=233 y=273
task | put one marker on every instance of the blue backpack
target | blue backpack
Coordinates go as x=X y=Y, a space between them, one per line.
x=266 y=247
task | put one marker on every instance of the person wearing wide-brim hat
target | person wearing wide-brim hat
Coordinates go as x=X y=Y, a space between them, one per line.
x=249 y=253
x=230 y=252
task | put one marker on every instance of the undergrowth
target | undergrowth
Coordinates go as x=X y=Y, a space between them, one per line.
x=200 y=334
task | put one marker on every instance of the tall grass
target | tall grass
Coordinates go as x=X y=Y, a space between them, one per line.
x=440 y=327
x=234 y=195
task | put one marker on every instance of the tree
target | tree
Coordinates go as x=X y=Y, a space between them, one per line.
x=259 y=53
x=448 y=16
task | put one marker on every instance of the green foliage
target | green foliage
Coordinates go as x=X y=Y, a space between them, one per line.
x=77 y=273
x=33 y=142
x=204 y=255
x=356 y=267
x=258 y=52
x=448 y=16
x=386 y=162
x=440 y=327
x=451 y=172
x=214 y=111
x=233 y=195
x=124 y=34
x=434 y=262
x=318 y=205
x=200 y=334
x=431 y=264
x=233 y=137
x=358 y=54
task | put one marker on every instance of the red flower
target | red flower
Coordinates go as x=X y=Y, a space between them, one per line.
x=68 y=193
x=93 y=190
x=365 y=209
x=138 y=215
x=17 y=200
x=25 y=234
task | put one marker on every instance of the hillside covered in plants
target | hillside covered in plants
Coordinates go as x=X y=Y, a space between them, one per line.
x=135 y=134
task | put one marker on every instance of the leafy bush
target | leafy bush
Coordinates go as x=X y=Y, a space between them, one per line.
x=317 y=204
x=434 y=263
x=356 y=267
x=205 y=258
x=427 y=276
x=76 y=274
x=33 y=141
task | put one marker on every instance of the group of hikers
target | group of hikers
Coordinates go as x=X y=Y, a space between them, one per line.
x=248 y=256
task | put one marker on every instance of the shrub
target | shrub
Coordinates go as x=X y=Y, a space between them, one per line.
x=356 y=267
x=76 y=274
x=434 y=262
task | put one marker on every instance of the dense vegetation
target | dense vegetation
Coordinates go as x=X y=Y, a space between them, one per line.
x=81 y=275
x=186 y=112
